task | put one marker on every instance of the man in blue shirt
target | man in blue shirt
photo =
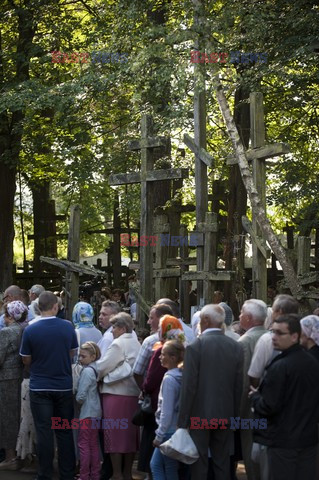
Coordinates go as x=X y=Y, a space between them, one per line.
x=47 y=346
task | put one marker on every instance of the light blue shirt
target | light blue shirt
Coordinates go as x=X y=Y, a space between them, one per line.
x=87 y=395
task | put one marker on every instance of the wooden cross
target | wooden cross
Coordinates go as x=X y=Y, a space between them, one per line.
x=146 y=177
x=257 y=154
x=209 y=274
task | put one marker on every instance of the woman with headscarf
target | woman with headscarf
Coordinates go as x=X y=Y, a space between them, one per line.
x=170 y=328
x=82 y=318
x=11 y=368
x=310 y=334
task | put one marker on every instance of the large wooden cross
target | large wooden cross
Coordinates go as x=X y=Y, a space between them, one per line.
x=146 y=177
x=258 y=153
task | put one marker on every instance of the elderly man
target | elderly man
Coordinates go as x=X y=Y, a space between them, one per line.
x=252 y=318
x=288 y=397
x=211 y=391
x=34 y=293
x=108 y=310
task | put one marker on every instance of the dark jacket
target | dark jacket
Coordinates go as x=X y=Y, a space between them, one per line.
x=212 y=379
x=289 y=397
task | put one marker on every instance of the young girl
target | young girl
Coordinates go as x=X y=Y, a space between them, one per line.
x=163 y=467
x=88 y=397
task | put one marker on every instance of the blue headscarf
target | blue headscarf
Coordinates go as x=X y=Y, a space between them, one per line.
x=82 y=316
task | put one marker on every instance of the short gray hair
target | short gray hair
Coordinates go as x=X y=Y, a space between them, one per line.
x=37 y=289
x=215 y=313
x=114 y=306
x=256 y=308
x=123 y=320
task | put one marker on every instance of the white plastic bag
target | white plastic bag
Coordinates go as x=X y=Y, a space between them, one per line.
x=180 y=447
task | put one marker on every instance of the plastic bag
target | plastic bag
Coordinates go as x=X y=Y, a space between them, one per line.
x=180 y=447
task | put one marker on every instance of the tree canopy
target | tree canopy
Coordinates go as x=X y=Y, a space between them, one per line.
x=64 y=126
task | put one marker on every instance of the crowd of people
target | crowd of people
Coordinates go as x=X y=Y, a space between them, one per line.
x=101 y=394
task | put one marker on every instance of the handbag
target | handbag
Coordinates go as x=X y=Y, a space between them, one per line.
x=138 y=418
x=146 y=404
x=121 y=372
x=180 y=447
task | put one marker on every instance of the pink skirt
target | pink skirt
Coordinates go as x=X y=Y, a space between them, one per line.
x=120 y=435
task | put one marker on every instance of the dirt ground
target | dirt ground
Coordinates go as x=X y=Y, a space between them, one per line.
x=30 y=476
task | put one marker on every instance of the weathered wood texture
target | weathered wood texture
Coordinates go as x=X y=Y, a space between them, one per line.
x=257 y=137
x=72 y=283
x=256 y=203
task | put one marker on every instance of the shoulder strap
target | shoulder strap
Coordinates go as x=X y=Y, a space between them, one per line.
x=89 y=366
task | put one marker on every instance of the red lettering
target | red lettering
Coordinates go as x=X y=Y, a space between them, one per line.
x=223 y=422
x=153 y=240
x=56 y=57
x=75 y=57
x=84 y=57
x=213 y=58
x=75 y=423
x=55 y=422
x=213 y=423
x=143 y=240
x=125 y=240
x=223 y=57
x=85 y=424
x=65 y=423
x=195 y=423
x=134 y=242
x=204 y=58
x=195 y=56
x=205 y=424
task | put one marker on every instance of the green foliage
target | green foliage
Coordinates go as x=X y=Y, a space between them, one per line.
x=78 y=118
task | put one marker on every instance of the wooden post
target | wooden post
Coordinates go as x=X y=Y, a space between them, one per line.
x=210 y=253
x=184 y=286
x=161 y=255
x=257 y=129
x=116 y=243
x=303 y=262
x=72 y=283
x=200 y=135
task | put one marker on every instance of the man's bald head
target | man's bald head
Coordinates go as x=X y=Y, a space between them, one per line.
x=12 y=293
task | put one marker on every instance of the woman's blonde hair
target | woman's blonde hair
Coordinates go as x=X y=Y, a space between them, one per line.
x=92 y=348
x=176 y=349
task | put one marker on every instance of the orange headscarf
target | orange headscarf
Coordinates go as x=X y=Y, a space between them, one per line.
x=170 y=328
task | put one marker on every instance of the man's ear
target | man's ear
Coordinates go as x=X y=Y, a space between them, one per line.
x=295 y=337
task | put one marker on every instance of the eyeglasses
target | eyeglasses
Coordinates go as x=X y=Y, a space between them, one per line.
x=279 y=332
x=4 y=298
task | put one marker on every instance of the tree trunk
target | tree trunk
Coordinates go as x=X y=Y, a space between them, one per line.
x=44 y=224
x=259 y=212
x=236 y=208
x=11 y=128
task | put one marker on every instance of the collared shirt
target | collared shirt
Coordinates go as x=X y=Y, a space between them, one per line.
x=211 y=330
x=106 y=340
x=144 y=356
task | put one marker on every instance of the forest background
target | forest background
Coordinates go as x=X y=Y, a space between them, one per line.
x=64 y=127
